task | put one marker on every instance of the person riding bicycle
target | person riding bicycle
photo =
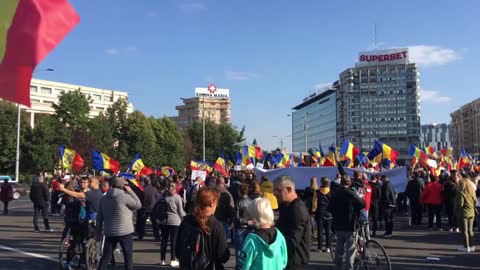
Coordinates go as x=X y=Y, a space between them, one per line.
x=91 y=196
x=345 y=206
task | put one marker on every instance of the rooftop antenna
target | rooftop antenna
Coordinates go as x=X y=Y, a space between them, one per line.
x=375 y=36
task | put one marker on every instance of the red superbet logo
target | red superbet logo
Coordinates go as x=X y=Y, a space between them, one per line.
x=212 y=88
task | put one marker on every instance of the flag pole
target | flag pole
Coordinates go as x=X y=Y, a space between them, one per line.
x=17 y=156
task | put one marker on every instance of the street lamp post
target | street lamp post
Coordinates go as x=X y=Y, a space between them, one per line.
x=19 y=115
x=203 y=124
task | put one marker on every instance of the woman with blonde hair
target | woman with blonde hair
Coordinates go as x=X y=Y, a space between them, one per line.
x=265 y=248
x=210 y=229
x=465 y=203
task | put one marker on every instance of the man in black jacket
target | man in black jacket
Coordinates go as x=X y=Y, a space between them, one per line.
x=294 y=223
x=345 y=206
x=413 y=191
x=374 y=201
x=149 y=200
x=40 y=197
x=387 y=202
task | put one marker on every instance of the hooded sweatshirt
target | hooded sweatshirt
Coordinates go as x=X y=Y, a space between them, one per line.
x=267 y=189
x=259 y=254
x=114 y=214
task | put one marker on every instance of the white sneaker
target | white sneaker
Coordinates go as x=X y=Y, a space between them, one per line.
x=472 y=249
x=457 y=230
x=174 y=263
x=163 y=263
x=328 y=250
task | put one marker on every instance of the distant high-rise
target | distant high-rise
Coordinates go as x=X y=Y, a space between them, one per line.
x=465 y=128
x=210 y=103
x=314 y=120
x=379 y=99
x=436 y=135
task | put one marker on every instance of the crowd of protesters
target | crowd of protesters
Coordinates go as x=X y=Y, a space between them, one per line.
x=270 y=224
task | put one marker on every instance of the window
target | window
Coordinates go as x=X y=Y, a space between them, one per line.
x=96 y=97
x=100 y=108
x=33 y=89
x=46 y=90
x=108 y=98
x=48 y=102
x=35 y=100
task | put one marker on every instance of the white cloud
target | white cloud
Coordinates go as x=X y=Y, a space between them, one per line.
x=319 y=86
x=431 y=96
x=239 y=75
x=192 y=7
x=115 y=51
x=111 y=51
x=428 y=56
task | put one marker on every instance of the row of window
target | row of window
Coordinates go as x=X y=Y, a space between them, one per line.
x=50 y=91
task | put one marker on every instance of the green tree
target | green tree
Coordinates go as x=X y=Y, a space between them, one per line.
x=73 y=109
x=218 y=138
x=140 y=138
x=117 y=120
x=101 y=131
x=171 y=144
x=8 y=135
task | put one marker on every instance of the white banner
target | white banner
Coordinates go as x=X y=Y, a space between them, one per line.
x=301 y=176
x=197 y=173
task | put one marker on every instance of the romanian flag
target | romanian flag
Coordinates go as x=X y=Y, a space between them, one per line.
x=145 y=171
x=430 y=151
x=137 y=164
x=29 y=31
x=239 y=158
x=167 y=171
x=200 y=166
x=417 y=153
x=362 y=158
x=71 y=160
x=249 y=150
x=102 y=162
x=464 y=160
x=130 y=177
x=220 y=166
x=349 y=150
x=386 y=150
x=330 y=157
x=285 y=161
x=446 y=152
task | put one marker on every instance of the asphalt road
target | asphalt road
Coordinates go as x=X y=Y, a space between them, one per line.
x=21 y=248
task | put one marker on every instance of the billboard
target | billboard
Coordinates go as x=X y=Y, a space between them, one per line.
x=212 y=91
x=383 y=57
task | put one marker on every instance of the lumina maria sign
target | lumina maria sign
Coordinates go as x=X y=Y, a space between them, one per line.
x=383 y=57
x=212 y=93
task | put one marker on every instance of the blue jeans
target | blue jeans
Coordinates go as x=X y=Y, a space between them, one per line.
x=226 y=227
x=126 y=242
x=345 y=247
x=239 y=238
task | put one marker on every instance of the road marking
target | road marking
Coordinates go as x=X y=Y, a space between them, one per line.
x=35 y=255
x=17 y=207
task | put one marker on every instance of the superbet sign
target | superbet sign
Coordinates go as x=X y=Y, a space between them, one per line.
x=392 y=56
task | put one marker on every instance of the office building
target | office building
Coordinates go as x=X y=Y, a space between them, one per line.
x=379 y=99
x=43 y=94
x=210 y=103
x=314 y=120
x=436 y=135
x=465 y=128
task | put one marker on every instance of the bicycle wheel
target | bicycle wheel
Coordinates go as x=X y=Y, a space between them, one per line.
x=91 y=258
x=332 y=247
x=375 y=256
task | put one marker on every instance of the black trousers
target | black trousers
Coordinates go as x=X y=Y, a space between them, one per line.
x=168 y=232
x=324 y=223
x=44 y=210
x=450 y=210
x=54 y=206
x=5 y=207
x=435 y=210
x=415 y=212
x=373 y=215
x=388 y=219
x=142 y=217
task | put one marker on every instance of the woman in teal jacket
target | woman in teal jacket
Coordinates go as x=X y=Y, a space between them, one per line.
x=265 y=248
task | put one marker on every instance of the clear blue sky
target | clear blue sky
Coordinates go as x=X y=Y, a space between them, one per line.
x=269 y=53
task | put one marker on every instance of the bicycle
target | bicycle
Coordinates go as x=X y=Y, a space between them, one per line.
x=78 y=250
x=368 y=252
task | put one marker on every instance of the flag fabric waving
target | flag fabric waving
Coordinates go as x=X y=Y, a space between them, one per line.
x=71 y=160
x=29 y=31
x=137 y=164
x=102 y=162
x=349 y=150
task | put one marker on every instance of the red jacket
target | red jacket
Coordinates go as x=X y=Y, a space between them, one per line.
x=432 y=194
x=368 y=194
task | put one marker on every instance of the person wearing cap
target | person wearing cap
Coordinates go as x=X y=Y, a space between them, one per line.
x=114 y=220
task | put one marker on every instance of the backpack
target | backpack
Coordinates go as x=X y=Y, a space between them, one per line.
x=191 y=249
x=75 y=212
x=159 y=210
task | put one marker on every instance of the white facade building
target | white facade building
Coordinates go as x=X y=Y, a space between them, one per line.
x=45 y=93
